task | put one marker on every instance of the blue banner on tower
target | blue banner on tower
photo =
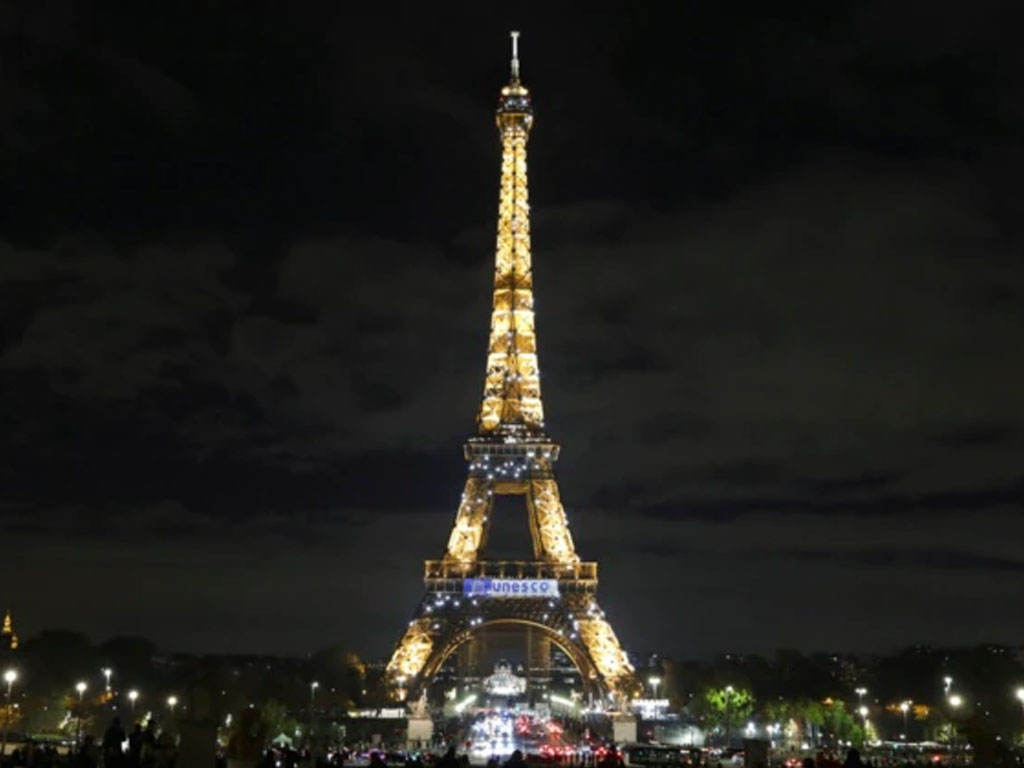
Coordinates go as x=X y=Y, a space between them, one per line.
x=510 y=587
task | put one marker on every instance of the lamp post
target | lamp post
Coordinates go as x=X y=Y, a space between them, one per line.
x=728 y=713
x=655 y=681
x=107 y=672
x=863 y=711
x=904 y=708
x=312 y=701
x=954 y=703
x=9 y=677
x=172 y=702
x=133 y=696
x=80 y=686
x=860 y=696
x=947 y=682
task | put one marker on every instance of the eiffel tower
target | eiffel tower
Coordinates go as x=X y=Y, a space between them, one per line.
x=553 y=595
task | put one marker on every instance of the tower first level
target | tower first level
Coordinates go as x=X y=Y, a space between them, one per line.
x=552 y=597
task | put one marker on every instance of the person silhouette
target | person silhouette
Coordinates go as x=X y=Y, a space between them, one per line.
x=113 y=741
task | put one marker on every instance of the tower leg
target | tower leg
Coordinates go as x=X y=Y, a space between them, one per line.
x=538 y=664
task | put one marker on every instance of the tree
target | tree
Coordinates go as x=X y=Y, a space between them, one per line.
x=723 y=707
x=839 y=723
x=277 y=719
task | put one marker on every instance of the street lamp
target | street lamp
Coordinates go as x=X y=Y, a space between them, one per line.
x=860 y=695
x=80 y=686
x=9 y=677
x=948 y=682
x=954 y=703
x=107 y=672
x=904 y=708
x=312 y=701
x=172 y=702
x=655 y=682
x=728 y=713
x=133 y=696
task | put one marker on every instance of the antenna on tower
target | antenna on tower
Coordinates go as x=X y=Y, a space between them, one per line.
x=515 y=54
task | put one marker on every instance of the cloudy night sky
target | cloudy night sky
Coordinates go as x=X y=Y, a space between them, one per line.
x=245 y=264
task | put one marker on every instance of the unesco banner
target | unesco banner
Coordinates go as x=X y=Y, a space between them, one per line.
x=510 y=587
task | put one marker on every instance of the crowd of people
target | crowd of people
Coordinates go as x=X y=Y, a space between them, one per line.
x=142 y=748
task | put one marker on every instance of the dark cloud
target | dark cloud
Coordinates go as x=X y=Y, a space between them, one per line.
x=244 y=289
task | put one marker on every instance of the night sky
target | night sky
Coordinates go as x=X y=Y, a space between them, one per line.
x=244 y=297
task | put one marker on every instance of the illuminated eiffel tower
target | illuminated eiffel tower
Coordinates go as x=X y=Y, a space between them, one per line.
x=553 y=595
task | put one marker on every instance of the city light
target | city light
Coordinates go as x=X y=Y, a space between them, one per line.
x=133 y=695
x=81 y=687
x=863 y=712
x=107 y=672
x=10 y=676
x=955 y=700
x=172 y=702
x=1020 y=694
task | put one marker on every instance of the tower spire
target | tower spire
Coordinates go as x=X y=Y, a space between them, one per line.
x=514 y=34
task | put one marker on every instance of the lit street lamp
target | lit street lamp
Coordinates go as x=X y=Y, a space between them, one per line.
x=954 y=703
x=948 y=682
x=728 y=713
x=860 y=695
x=172 y=702
x=80 y=686
x=1020 y=696
x=9 y=677
x=312 y=701
x=904 y=708
x=655 y=682
x=107 y=672
x=133 y=696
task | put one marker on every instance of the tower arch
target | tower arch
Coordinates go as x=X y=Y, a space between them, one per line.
x=590 y=678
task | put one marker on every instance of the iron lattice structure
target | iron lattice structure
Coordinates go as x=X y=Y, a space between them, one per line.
x=511 y=454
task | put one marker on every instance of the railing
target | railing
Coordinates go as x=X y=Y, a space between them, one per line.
x=446 y=570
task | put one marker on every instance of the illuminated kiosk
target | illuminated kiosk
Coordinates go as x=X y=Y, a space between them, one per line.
x=552 y=595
